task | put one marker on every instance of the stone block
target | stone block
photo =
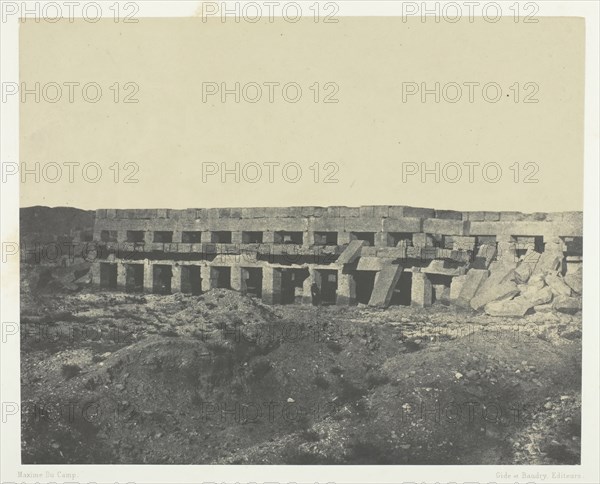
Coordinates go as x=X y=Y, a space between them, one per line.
x=352 y=252
x=422 y=240
x=369 y=264
x=541 y=297
x=557 y=285
x=474 y=279
x=456 y=286
x=574 y=279
x=566 y=304
x=418 y=212
x=463 y=243
x=508 y=307
x=497 y=286
x=444 y=227
x=421 y=295
x=485 y=256
x=448 y=214
x=385 y=283
x=405 y=224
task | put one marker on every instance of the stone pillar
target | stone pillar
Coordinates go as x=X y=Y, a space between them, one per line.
x=236 y=237
x=268 y=237
x=343 y=238
x=175 y=278
x=121 y=276
x=271 y=287
x=308 y=238
x=148 y=276
x=422 y=240
x=506 y=248
x=148 y=237
x=206 y=237
x=421 y=291
x=313 y=277
x=95 y=273
x=381 y=239
x=206 y=274
x=346 y=293
x=236 y=278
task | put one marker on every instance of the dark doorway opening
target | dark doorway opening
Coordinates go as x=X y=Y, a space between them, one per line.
x=326 y=238
x=134 y=277
x=108 y=275
x=191 y=280
x=191 y=237
x=221 y=237
x=284 y=237
x=252 y=237
x=135 y=236
x=328 y=286
x=161 y=278
x=163 y=237
x=440 y=286
x=252 y=281
x=365 y=281
x=221 y=277
x=368 y=237
x=402 y=291
x=292 y=283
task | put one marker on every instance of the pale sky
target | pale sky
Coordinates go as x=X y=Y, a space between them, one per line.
x=363 y=143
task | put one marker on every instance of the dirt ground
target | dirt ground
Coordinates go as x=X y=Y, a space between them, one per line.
x=223 y=379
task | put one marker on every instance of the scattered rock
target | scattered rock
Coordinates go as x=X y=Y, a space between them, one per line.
x=566 y=304
x=557 y=285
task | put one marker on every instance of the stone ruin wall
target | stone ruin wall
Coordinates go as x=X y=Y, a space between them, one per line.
x=506 y=263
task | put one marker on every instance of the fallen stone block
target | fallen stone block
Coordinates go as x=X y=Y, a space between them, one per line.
x=543 y=308
x=474 y=279
x=575 y=280
x=385 y=283
x=543 y=296
x=351 y=253
x=558 y=285
x=550 y=260
x=484 y=257
x=526 y=266
x=508 y=307
x=369 y=264
x=497 y=286
x=567 y=304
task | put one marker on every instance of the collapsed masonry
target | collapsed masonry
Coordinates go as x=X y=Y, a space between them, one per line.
x=503 y=262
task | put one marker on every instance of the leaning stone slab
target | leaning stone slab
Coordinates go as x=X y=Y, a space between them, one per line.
x=485 y=256
x=456 y=286
x=575 y=280
x=558 y=285
x=474 y=279
x=497 y=286
x=351 y=253
x=567 y=304
x=385 y=282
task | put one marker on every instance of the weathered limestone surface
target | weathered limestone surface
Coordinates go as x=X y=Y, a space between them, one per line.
x=385 y=282
x=473 y=280
x=422 y=291
x=436 y=245
x=351 y=253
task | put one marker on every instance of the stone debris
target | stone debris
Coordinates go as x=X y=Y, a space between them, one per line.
x=558 y=285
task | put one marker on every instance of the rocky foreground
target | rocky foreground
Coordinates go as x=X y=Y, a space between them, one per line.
x=223 y=379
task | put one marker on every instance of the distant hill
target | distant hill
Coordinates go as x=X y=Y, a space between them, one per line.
x=53 y=224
